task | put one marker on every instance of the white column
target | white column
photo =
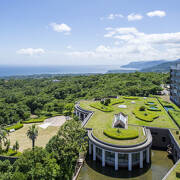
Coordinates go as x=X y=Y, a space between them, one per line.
x=141 y=159
x=147 y=155
x=103 y=158
x=84 y=116
x=79 y=115
x=116 y=161
x=90 y=148
x=129 y=162
x=94 y=152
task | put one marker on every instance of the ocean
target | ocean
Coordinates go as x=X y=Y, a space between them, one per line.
x=32 y=70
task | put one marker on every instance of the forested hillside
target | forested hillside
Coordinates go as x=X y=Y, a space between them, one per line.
x=19 y=98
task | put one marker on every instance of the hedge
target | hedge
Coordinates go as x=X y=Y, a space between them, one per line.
x=123 y=134
x=35 y=120
x=99 y=106
x=145 y=116
x=15 y=126
x=116 y=101
x=130 y=98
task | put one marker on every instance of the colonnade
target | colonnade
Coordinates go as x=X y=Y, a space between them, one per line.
x=80 y=114
x=116 y=166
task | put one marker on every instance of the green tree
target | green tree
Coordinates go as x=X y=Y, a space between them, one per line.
x=16 y=146
x=32 y=134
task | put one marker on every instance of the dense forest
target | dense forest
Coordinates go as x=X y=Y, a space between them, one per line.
x=20 y=98
x=55 y=162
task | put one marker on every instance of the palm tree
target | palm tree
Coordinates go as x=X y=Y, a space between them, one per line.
x=16 y=146
x=32 y=134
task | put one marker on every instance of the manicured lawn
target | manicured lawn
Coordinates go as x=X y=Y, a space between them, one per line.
x=101 y=136
x=103 y=120
x=44 y=136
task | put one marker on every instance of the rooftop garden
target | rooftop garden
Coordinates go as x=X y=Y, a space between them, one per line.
x=138 y=114
x=104 y=120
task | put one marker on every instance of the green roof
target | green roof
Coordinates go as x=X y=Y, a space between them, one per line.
x=98 y=133
x=101 y=120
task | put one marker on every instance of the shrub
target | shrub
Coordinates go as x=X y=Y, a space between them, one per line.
x=130 y=98
x=142 y=108
x=107 y=102
x=99 y=106
x=35 y=120
x=15 y=126
x=102 y=102
x=116 y=101
x=122 y=134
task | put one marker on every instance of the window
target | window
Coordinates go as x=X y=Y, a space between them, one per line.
x=163 y=139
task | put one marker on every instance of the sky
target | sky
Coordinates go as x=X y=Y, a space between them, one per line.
x=88 y=32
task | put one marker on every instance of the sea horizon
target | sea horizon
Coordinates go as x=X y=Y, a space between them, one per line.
x=20 y=70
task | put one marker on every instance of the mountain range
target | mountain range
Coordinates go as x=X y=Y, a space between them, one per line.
x=146 y=66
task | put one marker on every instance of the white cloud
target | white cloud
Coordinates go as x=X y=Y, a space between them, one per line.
x=31 y=51
x=64 y=28
x=112 y=16
x=116 y=43
x=134 y=17
x=132 y=45
x=69 y=47
x=157 y=13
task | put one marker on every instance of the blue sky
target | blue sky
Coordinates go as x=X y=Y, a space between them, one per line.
x=68 y=32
